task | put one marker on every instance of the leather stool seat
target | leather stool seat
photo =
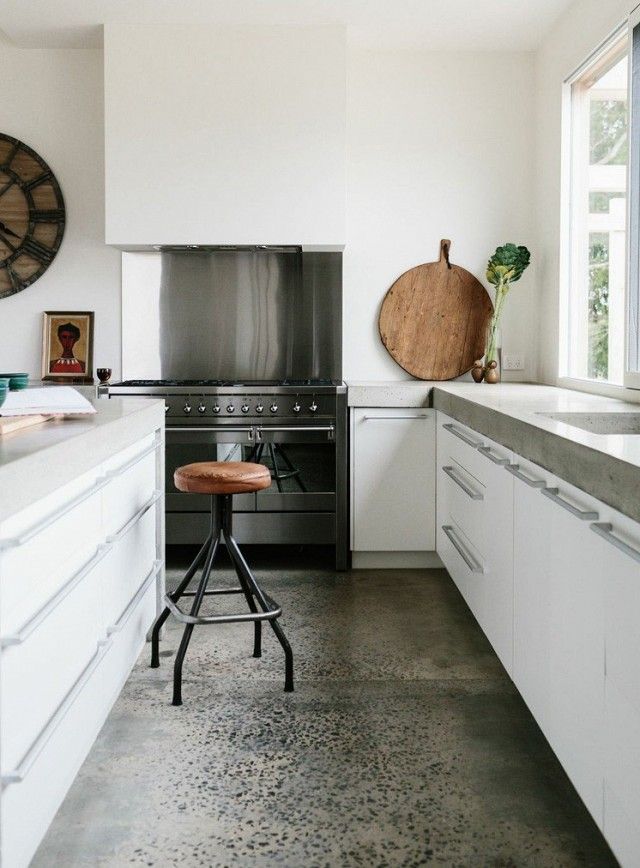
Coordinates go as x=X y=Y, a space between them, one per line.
x=222 y=477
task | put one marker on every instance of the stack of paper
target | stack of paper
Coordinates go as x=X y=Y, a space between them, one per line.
x=48 y=401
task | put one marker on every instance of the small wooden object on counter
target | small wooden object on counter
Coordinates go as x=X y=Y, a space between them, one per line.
x=434 y=319
x=10 y=424
x=477 y=371
x=492 y=374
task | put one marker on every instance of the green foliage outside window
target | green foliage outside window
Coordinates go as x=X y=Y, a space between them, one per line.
x=598 y=354
x=608 y=132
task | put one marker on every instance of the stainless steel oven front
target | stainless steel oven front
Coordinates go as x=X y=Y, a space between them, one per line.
x=307 y=501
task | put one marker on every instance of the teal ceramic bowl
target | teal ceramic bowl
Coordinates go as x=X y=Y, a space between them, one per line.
x=4 y=388
x=16 y=381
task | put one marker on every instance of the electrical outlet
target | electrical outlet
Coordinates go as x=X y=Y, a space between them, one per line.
x=512 y=362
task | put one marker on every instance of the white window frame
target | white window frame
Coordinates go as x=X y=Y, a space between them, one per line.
x=568 y=213
x=632 y=302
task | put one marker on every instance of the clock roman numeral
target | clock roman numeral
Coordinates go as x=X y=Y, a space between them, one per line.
x=11 y=155
x=13 y=277
x=36 y=250
x=29 y=185
x=52 y=215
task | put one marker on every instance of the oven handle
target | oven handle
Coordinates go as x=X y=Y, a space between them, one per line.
x=216 y=430
x=278 y=429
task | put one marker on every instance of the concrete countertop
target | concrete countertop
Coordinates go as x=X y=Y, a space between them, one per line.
x=36 y=461
x=606 y=466
x=390 y=393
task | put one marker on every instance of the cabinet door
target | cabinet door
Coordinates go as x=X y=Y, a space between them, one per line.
x=575 y=718
x=621 y=558
x=532 y=520
x=393 y=479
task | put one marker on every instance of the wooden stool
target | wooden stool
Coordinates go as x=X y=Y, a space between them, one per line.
x=220 y=479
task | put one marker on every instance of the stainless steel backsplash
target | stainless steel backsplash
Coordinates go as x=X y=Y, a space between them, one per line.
x=250 y=313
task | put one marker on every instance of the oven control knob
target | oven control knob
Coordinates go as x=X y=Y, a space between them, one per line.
x=230 y=408
x=187 y=408
x=245 y=408
x=216 y=408
x=201 y=408
x=259 y=408
x=274 y=408
x=296 y=407
x=313 y=407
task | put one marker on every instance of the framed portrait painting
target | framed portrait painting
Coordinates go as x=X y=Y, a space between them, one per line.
x=67 y=346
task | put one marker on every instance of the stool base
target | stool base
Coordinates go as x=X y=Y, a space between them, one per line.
x=221 y=517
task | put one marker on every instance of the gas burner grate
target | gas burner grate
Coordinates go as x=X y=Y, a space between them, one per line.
x=310 y=383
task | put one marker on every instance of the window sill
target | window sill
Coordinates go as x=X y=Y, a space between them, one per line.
x=598 y=387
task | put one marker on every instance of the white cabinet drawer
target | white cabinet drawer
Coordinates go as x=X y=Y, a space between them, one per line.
x=38 y=545
x=41 y=661
x=126 y=567
x=466 y=565
x=132 y=481
x=465 y=498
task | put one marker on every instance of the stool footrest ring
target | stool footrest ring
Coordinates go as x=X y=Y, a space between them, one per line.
x=273 y=612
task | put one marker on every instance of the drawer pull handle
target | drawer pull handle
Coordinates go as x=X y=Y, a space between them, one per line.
x=514 y=469
x=392 y=418
x=43 y=613
x=35 y=529
x=468 y=490
x=100 y=483
x=469 y=560
x=33 y=752
x=487 y=452
x=112 y=474
x=142 y=590
x=582 y=514
x=116 y=537
x=462 y=436
x=604 y=529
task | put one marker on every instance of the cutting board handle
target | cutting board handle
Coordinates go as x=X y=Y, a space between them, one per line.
x=445 y=246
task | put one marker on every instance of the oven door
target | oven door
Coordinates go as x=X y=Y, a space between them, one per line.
x=187 y=445
x=302 y=462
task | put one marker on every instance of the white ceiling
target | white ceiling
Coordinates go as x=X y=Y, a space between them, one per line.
x=453 y=25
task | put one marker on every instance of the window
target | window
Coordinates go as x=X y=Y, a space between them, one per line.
x=597 y=262
x=632 y=377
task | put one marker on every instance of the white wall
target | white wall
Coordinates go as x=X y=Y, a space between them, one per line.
x=577 y=32
x=440 y=145
x=52 y=100
x=225 y=135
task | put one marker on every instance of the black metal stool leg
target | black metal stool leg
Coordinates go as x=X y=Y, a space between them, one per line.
x=241 y=566
x=227 y=518
x=197 y=602
x=276 y=470
x=175 y=596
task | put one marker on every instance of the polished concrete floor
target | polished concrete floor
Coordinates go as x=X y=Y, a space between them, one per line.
x=404 y=744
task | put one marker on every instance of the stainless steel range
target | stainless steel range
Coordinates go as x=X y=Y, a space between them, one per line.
x=268 y=323
x=297 y=429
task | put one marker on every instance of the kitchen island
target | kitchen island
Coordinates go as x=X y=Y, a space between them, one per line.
x=81 y=576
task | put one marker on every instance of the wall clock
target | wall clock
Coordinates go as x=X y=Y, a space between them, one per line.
x=32 y=216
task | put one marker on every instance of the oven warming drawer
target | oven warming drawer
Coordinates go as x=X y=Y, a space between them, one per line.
x=260 y=528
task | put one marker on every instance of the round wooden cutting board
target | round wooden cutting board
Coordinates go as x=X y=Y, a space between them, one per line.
x=434 y=319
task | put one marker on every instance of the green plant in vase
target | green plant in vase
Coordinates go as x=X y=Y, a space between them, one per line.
x=505 y=267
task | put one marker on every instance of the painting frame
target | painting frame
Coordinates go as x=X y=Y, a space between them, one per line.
x=59 y=360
